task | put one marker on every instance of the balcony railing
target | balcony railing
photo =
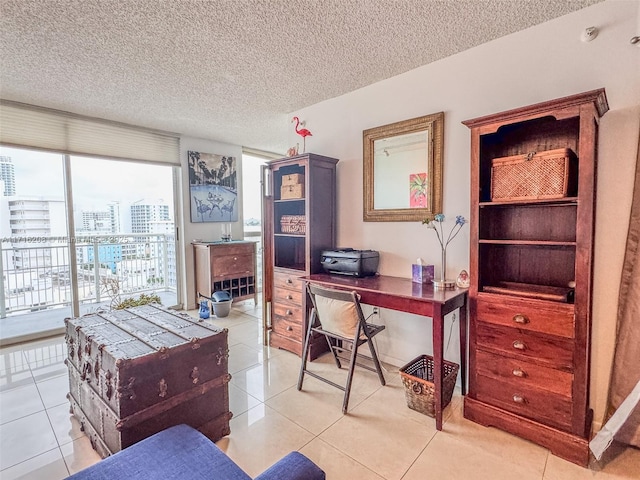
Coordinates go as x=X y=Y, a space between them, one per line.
x=36 y=271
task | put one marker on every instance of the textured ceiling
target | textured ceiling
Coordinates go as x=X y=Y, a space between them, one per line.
x=232 y=70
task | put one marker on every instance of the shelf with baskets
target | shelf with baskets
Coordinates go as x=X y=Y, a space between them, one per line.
x=531 y=230
x=300 y=203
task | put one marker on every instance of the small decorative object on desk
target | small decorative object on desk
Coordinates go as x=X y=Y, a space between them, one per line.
x=463 y=279
x=436 y=225
x=422 y=273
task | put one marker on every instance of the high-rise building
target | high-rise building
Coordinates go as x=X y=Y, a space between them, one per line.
x=143 y=213
x=8 y=176
x=99 y=222
x=32 y=222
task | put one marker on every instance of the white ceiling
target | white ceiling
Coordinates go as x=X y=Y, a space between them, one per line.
x=233 y=70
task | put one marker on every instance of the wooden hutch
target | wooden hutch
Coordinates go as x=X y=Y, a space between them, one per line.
x=531 y=276
x=299 y=222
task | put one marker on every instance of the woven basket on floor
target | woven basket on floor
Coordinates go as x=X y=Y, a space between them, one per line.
x=417 y=378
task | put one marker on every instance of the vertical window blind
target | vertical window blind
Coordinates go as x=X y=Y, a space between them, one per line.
x=23 y=125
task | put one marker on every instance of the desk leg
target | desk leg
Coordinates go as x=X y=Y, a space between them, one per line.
x=463 y=347
x=438 y=334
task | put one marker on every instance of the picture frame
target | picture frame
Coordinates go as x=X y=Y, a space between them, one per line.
x=213 y=187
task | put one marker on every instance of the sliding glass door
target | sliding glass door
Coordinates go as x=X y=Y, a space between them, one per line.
x=82 y=233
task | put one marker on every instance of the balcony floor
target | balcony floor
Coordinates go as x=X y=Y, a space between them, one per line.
x=46 y=323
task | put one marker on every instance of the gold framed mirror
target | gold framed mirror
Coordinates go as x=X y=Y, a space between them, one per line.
x=403 y=165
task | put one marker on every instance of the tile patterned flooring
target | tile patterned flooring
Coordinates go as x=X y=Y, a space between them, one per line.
x=380 y=438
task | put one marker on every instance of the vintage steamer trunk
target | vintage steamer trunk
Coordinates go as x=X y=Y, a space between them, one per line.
x=137 y=371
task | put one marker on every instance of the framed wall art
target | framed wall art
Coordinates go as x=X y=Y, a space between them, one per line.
x=213 y=187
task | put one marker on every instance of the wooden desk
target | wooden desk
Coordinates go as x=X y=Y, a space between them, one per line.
x=403 y=295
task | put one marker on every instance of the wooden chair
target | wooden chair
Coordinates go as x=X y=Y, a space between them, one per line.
x=337 y=315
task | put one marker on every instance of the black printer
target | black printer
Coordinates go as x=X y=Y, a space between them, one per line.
x=347 y=261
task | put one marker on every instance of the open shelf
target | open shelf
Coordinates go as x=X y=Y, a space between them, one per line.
x=531 y=203
x=529 y=290
x=542 y=243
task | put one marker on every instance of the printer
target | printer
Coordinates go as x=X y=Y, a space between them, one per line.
x=347 y=261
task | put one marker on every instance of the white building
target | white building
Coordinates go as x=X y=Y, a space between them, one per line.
x=32 y=223
x=8 y=177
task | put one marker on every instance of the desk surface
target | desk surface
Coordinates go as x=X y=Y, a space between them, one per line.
x=394 y=292
x=402 y=287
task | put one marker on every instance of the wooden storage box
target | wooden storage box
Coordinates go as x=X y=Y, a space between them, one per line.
x=293 y=224
x=293 y=179
x=535 y=176
x=292 y=192
x=137 y=371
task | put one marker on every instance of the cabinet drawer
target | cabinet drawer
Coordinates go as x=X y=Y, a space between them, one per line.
x=287 y=327
x=222 y=249
x=287 y=296
x=536 y=316
x=540 y=405
x=521 y=373
x=554 y=352
x=226 y=265
x=291 y=313
x=287 y=280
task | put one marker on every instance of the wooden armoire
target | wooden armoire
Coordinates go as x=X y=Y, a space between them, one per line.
x=533 y=192
x=299 y=222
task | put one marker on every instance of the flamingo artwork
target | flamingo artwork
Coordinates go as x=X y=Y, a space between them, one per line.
x=303 y=132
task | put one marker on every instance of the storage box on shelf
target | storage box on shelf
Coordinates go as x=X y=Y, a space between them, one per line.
x=293 y=224
x=299 y=223
x=531 y=231
x=534 y=176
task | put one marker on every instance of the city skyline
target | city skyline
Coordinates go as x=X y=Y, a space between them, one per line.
x=40 y=174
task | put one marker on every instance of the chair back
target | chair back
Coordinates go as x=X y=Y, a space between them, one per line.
x=337 y=311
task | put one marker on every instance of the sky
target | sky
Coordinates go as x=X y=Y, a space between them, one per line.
x=95 y=182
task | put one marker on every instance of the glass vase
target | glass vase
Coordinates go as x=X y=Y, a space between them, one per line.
x=443 y=283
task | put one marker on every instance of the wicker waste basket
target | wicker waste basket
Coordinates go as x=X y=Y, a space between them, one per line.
x=417 y=378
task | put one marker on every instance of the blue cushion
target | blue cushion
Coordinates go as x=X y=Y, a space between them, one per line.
x=294 y=466
x=179 y=452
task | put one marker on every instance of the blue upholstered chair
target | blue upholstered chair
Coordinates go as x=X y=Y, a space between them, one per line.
x=183 y=453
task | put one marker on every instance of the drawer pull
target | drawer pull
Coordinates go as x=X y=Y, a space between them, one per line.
x=519 y=318
x=519 y=373
x=289 y=297
x=289 y=328
x=289 y=312
x=289 y=281
x=519 y=344
x=519 y=399
x=235 y=258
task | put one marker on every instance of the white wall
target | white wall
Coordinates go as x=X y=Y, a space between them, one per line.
x=204 y=231
x=541 y=63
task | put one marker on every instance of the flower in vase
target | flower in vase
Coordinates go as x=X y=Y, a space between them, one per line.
x=436 y=225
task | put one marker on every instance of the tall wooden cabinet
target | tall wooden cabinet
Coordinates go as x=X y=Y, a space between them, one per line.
x=531 y=273
x=299 y=222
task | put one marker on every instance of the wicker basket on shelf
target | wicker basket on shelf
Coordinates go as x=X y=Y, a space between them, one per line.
x=535 y=176
x=296 y=224
x=419 y=390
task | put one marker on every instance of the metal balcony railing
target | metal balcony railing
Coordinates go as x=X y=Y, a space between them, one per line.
x=36 y=271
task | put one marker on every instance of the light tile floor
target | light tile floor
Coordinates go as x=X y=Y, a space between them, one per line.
x=380 y=438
